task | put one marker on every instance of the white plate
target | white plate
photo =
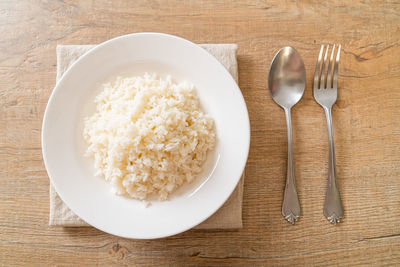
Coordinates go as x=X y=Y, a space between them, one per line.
x=90 y=197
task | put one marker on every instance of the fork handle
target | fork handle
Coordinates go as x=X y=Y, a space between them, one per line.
x=333 y=208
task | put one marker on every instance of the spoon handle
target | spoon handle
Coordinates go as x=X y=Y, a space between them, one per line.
x=333 y=209
x=291 y=205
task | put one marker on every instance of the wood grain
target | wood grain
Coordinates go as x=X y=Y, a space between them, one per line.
x=366 y=124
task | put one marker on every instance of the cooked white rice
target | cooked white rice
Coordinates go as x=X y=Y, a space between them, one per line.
x=148 y=135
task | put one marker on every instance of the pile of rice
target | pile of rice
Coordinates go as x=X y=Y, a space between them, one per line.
x=148 y=135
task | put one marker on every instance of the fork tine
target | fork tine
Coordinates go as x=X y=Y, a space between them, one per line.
x=335 y=70
x=329 y=76
x=317 y=68
x=322 y=82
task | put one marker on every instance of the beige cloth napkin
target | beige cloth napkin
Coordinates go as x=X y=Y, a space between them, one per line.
x=229 y=216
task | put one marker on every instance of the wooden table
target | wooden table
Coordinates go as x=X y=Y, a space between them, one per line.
x=366 y=120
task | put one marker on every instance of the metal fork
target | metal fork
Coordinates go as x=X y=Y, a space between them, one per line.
x=325 y=93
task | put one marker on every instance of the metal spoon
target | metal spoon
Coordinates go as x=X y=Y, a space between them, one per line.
x=287 y=81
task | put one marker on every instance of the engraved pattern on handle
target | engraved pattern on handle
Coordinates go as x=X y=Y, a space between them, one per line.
x=333 y=209
x=291 y=205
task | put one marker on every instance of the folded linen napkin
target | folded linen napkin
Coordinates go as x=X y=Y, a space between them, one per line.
x=229 y=216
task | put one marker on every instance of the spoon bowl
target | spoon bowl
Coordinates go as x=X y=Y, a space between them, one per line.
x=287 y=77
